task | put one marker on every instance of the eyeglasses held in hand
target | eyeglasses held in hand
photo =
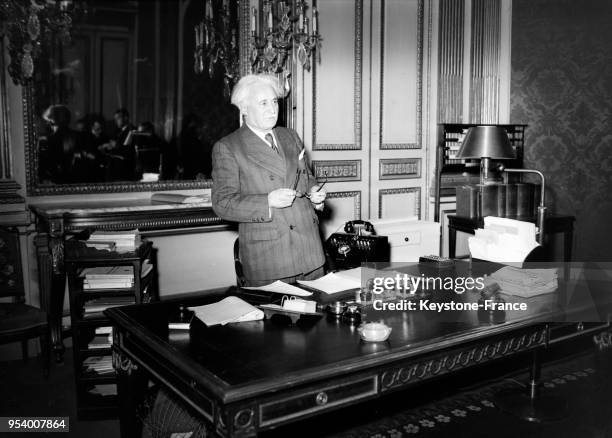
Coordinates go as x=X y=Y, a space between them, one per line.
x=299 y=194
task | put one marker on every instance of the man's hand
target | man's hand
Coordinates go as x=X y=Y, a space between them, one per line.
x=281 y=198
x=317 y=197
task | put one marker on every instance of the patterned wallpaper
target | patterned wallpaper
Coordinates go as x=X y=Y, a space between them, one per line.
x=562 y=87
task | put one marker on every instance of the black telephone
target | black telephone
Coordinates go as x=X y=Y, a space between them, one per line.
x=359 y=227
x=358 y=244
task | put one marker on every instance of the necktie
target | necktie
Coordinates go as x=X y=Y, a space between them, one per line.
x=270 y=140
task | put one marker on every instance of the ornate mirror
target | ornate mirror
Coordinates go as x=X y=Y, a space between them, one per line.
x=129 y=104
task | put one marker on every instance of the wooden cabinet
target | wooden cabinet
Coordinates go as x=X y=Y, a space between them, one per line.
x=91 y=333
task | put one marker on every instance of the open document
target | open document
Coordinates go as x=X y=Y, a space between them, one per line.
x=335 y=282
x=230 y=309
x=281 y=287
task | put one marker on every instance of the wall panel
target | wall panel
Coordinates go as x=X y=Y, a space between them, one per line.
x=337 y=81
x=400 y=71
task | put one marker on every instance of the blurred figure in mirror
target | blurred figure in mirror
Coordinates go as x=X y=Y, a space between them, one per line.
x=66 y=155
x=195 y=151
x=262 y=180
x=120 y=152
x=148 y=148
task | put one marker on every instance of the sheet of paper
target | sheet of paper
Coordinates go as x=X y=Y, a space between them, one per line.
x=335 y=282
x=281 y=287
x=230 y=309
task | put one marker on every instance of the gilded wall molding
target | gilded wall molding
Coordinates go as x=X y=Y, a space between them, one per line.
x=358 y=49
x=399 y=168
x=399 y=191
x=338 y=170
x=419 y=58
x=356 y=195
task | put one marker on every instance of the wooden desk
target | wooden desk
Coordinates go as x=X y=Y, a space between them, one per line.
x=248 y=377
x=56 y=220
x=552 y=225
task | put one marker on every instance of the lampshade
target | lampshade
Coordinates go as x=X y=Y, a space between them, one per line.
x=486 y=141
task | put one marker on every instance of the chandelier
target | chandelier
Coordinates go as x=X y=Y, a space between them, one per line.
x=285 y=27
x=216 y=42
x=28 y=25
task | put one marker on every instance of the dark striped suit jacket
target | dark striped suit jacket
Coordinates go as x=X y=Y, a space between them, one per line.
x=245 y=170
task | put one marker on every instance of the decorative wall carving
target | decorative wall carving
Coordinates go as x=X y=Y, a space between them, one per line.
x=338 y=170
x=398 y=168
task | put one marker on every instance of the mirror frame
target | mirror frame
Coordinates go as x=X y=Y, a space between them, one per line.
x=35 y=188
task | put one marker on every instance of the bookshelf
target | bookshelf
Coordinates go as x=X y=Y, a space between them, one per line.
x=91 y=331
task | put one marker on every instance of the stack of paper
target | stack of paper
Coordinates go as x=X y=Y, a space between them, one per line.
x=100 y=341
x=94 y=308
x=281 y=287
x=125 y=241
x=230 y=309
x=104 y=390
x=526 y=282
x=503 y=240
x=335 y=282
x=98 y=365
x=108 y=277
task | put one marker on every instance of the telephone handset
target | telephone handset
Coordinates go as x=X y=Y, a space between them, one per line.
x=359 y=227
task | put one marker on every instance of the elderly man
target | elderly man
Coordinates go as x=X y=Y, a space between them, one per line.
x=261 y=180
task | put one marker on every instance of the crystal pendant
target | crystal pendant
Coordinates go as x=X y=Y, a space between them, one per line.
x=301 y=54
x=27 y=65
x=33 y=26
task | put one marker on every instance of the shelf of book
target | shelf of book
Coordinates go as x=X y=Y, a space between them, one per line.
x=99 y=279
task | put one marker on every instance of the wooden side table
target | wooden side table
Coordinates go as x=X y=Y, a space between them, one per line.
x=553 y=224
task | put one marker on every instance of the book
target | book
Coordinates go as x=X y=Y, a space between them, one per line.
x=98 y=342
x=109 y=245
x=178 y=198
x=105 y=272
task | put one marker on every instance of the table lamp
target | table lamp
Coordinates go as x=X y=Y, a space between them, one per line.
x=491 y=142
x=485 y=143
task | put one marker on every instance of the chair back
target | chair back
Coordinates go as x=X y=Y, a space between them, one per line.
x=11 y=278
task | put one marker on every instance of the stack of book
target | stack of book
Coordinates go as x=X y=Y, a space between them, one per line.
x=101 y=365
x=120 y=241
x=100 y=341
x=94 y=308
x=104 y=390
x=108 y=277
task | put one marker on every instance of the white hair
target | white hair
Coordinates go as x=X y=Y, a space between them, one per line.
x=242 y=89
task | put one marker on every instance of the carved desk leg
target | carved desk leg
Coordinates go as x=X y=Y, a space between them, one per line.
x=51 y=283
x=131 y=388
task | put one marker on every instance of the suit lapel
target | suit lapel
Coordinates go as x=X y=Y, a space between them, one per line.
x=290 y=153
x=260 y=153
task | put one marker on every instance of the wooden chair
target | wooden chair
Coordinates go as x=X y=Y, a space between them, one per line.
x=19 y=322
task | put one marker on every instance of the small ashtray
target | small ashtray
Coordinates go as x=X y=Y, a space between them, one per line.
x=374 y=331
x=337 y=308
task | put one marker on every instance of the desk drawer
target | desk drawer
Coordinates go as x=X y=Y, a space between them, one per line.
x=313 y=400
x=571 y=330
